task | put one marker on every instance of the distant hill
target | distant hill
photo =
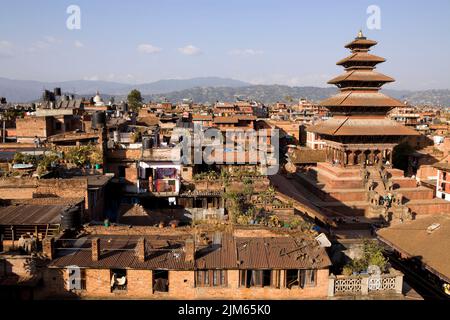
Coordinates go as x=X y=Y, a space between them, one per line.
x=166 y=86
x=275 y=93
x=206 y=89
x=25 y=90
x=263 y=93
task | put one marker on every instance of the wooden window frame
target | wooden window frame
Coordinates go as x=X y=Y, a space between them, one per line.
x=306 y=278
x=254 y=278
x=211 y=278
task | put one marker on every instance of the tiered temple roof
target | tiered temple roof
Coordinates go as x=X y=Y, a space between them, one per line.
x=360 y=97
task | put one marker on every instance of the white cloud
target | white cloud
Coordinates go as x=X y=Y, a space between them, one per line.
x=43 y=44
x=50 y=39
x=245 y=52
x=91 y=78
x=78 y=44
x=319 y=80
x=6 y=48
x=190 y=50
x=125 y=78
x=148 y=48
x=40 y=44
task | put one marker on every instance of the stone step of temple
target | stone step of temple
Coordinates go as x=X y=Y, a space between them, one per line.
x=349 y=209
x=345 y=194
x=404 y=182
x=339 y=171
x=332 y=181
x=429 y=206
x=418 y=193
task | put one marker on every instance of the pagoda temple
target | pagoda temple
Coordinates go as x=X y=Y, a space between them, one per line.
x=357 y=179
x=359 y=132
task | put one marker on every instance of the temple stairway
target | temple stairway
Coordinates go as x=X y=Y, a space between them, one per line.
x=341 y=190
x=375 y=175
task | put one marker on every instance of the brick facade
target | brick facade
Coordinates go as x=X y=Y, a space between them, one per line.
x=181 y=286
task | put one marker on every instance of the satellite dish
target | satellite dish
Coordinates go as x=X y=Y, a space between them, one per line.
x=323 y=240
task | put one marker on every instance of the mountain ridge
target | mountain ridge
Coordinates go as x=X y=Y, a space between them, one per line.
x=29 y=90
x=201 y=90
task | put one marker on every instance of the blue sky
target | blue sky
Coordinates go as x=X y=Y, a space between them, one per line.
x=259 y=41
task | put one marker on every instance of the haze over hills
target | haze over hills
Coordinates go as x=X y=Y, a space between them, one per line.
x=29 y=90
x=276 y=93
x=206 y=89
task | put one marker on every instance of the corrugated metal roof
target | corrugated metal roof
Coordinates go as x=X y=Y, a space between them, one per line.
x=30 y=214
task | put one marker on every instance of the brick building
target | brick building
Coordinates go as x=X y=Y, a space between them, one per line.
x=155 y=267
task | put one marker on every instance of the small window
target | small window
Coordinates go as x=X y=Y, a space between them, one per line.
x=118 y=280
x=76 y=278
x=160 y=281
x=122 y=171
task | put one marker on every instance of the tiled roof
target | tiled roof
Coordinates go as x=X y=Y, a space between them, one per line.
x=280 y=253
x=360 y=41
x=361 y=56
x=119 y=252
x=361 y=99
x=365 y=126
x=169 y=253
x=413 y=239
x=361 y=75
x=226 y=119
x=200 y=117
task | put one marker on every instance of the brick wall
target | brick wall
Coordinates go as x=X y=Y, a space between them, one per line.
x=20 y=265
x=181 y=286
x=29 y=127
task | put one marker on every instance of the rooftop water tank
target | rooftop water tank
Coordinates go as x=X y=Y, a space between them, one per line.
x=71 y=218
x=98 y=119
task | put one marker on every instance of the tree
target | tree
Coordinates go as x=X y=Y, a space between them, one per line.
x=135 y=100
x=82 y=155
x=372 y=254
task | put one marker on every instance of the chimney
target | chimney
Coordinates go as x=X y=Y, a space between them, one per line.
x=95 y=249
x=189 y=248
x=140 y=249
x=48 y=247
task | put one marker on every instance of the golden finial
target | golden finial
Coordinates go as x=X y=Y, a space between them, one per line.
x=360 y=34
